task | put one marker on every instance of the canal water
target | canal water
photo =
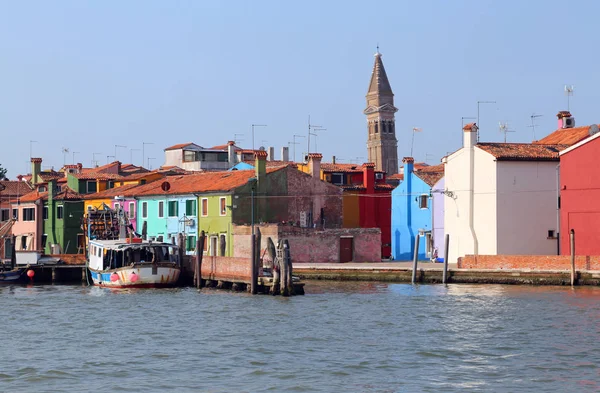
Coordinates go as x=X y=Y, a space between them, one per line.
x=340 y=337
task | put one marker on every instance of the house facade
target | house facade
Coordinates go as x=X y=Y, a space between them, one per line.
x=417 y=210
x=11 y=193
x=580 y=195
x=501 y=198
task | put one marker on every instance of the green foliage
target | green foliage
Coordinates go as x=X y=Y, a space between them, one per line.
x=3 y=173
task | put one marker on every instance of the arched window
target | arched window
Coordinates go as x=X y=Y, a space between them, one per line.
x=376 y=128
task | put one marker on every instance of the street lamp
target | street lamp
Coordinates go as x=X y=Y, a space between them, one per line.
x=255 y=125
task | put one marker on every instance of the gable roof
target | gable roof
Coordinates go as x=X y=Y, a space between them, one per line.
x=565 y=136
x=346 y=168
x=522 y=151
x=67 y=194
x=580 y=143
x=14 y=188
x=127 y=190
x=182 y=145
x=430 y=174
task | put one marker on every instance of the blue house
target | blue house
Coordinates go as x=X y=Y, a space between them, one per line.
x=418 y=210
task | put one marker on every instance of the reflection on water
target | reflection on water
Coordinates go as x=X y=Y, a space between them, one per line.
x=341 y=336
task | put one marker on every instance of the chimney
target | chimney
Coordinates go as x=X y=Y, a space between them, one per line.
x=409 y=163
x=285 y=153
x=469 y=137
x=333 y=160
x=314 y=165
x=79 y=167
x=51 y=190
x=565 y=120
x=369 y=177
x=260 y=165
x=36 y=168
x=271 y=153
x=20 y=177
x=231 y=153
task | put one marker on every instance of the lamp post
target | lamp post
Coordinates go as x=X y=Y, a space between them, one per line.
x=254 y=267
x=255 y=125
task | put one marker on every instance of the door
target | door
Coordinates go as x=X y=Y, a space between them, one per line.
x=346 y=249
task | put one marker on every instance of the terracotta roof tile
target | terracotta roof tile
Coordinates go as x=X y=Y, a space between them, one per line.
x=565 y=136
x=33 y=196
x=430 y=174
x=396 y=176
x=97 y=176
x=273 y=164
x=14 y=188
x=522 y=151
x=226 y=147
x=128 y=190
x=181 y=146
x=348 y=168
x=66 y=194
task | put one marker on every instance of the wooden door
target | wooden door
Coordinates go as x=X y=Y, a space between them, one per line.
x=346 y=249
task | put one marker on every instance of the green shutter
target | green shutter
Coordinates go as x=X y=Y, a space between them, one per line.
x=190 y=207
x=173 y=205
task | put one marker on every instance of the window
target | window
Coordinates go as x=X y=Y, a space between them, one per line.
x=205 y=244
x=551 y=234
x=42 y=188
x=91 y=186
x=423 y=201
x=117 y=205
x=23 y=242
x=173 y=208
x=190 y=207
x=110 y=184
x=29 y=214
x=90 y=208
x=337 y=178
x=59 y=212
x=189 y=156
x=45 y=213
x=204 y=207
x=15 y=214
x=376 y=128
x=222 y=203
x=379 y=176
x=191 y=243
x=131 y=209
x=161 y=209
x=5 y=215
x=44 y=240
x=144 y=209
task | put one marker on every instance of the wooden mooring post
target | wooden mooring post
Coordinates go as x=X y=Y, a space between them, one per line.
x=572 y=239
x=415 y=260
x=198 y=264
x=253 y=269
x=446 y=246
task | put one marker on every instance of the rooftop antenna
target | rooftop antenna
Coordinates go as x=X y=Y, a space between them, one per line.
x=569 y=92
x=296 y=143
x=236 y=138
x=75 y=152
x=478 y=123
x=533 y=125
x=412 y=143
x=65 y=151
x=503 y=127
x=309 y=134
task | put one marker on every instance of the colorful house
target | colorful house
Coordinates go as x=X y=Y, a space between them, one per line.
x=418 y=210
x=11 y=193
x=501 y=198
x=366 y=195
x=580 y=195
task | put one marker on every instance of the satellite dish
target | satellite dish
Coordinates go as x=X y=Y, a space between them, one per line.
x=593 y=129
x=262 y=148
x=165 y=186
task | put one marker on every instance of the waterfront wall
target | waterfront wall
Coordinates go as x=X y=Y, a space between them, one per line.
x=531 y=262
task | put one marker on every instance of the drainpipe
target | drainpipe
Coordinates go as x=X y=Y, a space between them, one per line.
x=470 y=140
x=558 y=209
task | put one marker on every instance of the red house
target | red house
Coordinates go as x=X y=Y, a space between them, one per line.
x=580 y=195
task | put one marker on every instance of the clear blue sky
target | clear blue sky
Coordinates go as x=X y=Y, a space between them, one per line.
x=87 y=75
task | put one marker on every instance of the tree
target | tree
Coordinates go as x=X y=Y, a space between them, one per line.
x=3 y=173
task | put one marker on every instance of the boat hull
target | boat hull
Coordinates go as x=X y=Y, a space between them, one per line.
x=137 y=277
x=11 y=276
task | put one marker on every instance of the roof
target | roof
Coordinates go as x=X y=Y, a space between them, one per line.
x=67 y=194
x=565 y=136
x=97 y=176
x=580 y=143
x=46 y=176
x=200 y=182
x=522 y=151
x=127 y=190
x=430 y=174
x=396 y=176
x=182 y=145
x=226 y=147
x=379 y=81
x=270 y=164
x=349 y=168
x=14 y=188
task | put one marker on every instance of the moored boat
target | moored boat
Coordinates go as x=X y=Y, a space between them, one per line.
x=133 y=263
x=11 y=276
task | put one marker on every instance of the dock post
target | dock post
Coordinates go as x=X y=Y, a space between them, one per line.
x=199 y=254
x=84 y=274
x=254 y=273
x=415 y=259
x=445 y=274
x=572 y=238
x=53 y=275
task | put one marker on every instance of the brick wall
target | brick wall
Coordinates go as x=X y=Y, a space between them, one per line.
x=226 y=269
x=532 y=262
x=309 y=244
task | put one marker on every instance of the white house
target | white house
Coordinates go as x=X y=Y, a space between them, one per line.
x=501 y=198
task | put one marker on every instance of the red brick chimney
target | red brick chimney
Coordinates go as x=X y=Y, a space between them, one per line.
x=369 y=197
x=369 y=177
x=314 y=164
x=260 y=166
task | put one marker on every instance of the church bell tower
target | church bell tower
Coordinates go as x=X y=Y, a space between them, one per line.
x=382 y=143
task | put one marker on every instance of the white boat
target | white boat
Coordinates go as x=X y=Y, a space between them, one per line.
x=133 y=263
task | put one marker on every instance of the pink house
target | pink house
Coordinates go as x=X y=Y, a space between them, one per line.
x=28 y=228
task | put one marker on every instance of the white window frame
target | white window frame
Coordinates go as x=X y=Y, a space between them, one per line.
x=423 y=201
x=221 y=212
x=131 y=213
x=62 y=208
x=145 y=208
x=117 y=205
x=202 y=207
x=158 y=205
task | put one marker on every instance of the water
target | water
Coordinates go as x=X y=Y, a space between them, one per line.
x=348 y=337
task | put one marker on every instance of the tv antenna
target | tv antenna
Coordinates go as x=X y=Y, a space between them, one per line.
x=65 y=151
x=533 y=125
x=504 y=129
x=412 y=143
x=569 y=92
x=237 y=139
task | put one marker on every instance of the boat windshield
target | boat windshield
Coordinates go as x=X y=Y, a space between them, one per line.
x=146 y=254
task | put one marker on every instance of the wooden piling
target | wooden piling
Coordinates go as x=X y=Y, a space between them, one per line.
x=415 y=260
x=572 y=239
x=446 y=251
x=198 y=264
x=254 y=272
x=84 y=274
x=53 y=275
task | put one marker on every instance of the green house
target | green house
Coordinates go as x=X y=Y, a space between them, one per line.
x=62 y=215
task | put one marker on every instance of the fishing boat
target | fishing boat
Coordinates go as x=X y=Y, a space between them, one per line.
x=120 y=258
x=133 y=263
x=11 y=276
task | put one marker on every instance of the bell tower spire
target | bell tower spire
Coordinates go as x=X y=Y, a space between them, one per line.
x=382 y=144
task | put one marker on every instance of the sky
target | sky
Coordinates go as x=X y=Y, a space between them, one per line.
x=88 y=75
